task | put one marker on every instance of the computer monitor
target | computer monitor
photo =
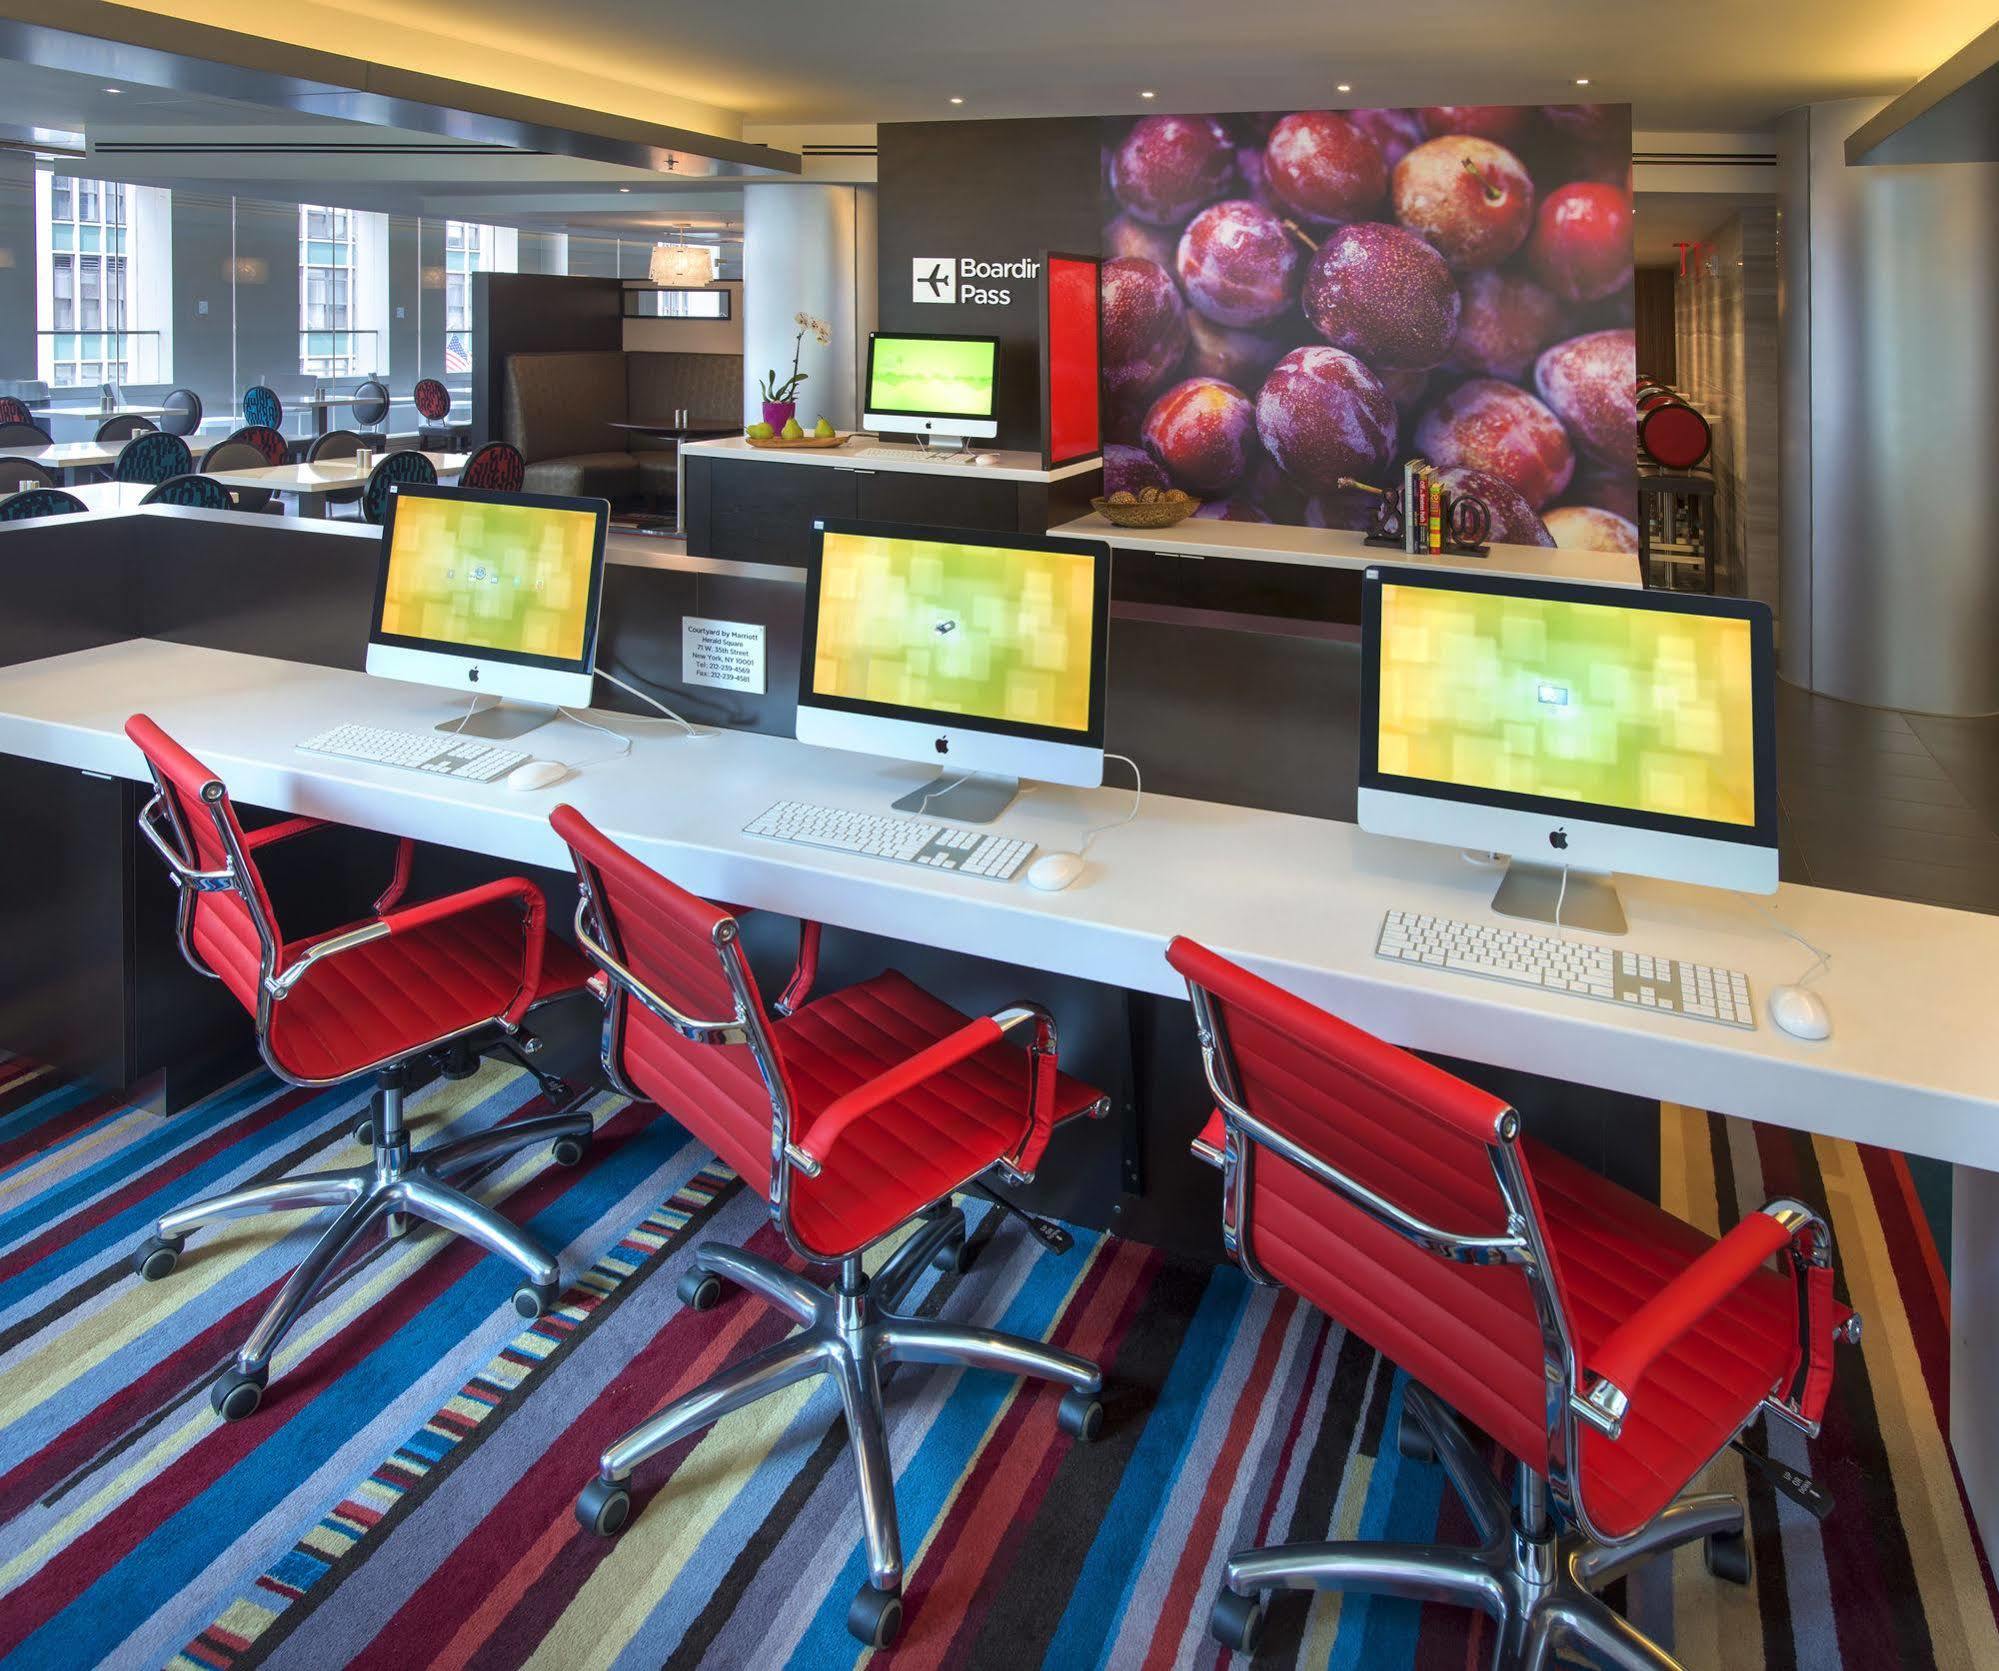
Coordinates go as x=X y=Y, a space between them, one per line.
x=939 y=387
x=1580 y=729
x=983 y=654
x=491 y=593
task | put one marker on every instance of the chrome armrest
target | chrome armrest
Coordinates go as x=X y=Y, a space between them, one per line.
x=733 y=1031
x=280 y=984
x=184 y=874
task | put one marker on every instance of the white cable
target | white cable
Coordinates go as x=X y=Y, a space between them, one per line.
x=653 y=701
x=592 y=725
x=923 y=805
x=1137 y=795
x=1560 y=896
x=1824 y=957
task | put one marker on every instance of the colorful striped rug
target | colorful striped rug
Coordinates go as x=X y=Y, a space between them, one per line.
x=404 y=1497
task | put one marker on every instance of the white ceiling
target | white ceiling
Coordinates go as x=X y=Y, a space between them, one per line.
x=1710 y=64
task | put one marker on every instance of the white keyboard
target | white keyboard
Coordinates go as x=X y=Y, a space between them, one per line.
x=1558 y=964
x=909 y=840
x=908 y=454
x=420 y=751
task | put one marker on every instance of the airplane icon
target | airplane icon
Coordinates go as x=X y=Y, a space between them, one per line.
x=936 y=279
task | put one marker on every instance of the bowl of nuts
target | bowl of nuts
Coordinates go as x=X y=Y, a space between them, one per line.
x=1149 y=507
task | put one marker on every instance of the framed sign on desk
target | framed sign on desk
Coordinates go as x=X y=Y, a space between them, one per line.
x=1071 y=424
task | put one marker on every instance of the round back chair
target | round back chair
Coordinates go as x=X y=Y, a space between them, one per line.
x=495 y=467
x=236 y=453
x=371 y=403
x=433 y=399
x=183 y=412
x=14 y=411
x=124 y=427
x=261 y=406
x=22 y=435
x=17 y=473
x=153 y=457
x=39 y=501
x=200 y=493
x=401 y=467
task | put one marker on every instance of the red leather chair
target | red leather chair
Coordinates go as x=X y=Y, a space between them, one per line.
x=1611 y=1348
x=446 y=979
x=853 y=1114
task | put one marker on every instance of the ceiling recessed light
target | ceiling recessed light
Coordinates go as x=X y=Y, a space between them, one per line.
x=956 y=100
x=1582 y=81
x=114 y=90
x=1148 y=94
x=1344 y=87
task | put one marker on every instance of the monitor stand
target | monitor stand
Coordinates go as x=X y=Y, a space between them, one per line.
x=1531 y=890
x=500 y=723
x=964 y=797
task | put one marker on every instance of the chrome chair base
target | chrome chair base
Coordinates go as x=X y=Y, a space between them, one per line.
x=1536 y=1583
x=397 y=1185
x=850 y=1333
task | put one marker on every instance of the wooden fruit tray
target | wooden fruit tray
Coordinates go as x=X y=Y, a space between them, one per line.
x=777 y=441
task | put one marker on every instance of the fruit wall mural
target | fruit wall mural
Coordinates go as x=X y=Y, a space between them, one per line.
x=1294 y=297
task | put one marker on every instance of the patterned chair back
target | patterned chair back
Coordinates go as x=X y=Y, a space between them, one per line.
x=495 y=467
x=39 y=501
x=200 y=493
x=14 y=411
x=154 y=456
x=397 y=467
x=433 y=399
x=261 y=406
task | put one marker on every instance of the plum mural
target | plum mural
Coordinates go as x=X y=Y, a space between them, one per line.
x=1296 y=297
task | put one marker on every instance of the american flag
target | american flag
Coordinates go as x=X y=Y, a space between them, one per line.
x=455 y=357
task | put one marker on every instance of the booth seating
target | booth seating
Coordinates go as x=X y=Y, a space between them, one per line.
x=559 y=409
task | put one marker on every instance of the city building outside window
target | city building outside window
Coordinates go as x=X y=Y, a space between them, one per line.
x=470 y=248
x=82 y=244
x=327 y=286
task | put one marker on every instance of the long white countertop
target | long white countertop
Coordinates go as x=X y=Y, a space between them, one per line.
x=1009 y=466
x=1911 y=987
x=1342 y=548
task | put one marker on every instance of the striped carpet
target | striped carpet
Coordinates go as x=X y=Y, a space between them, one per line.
x=404 y=1498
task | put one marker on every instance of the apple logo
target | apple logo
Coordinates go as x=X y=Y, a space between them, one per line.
x=473 y=675
x=1558 y=838
x=943 y=745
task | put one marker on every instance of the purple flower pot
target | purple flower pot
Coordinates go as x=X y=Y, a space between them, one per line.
x=778 y=413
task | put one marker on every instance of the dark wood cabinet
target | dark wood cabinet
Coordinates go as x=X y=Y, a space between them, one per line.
x=748 y=512
x=940 y=501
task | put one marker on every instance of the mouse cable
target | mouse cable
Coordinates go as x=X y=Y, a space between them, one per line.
x=592 y=725
x=1824 y=957
x=1137 y=795
x=653 y=702
x=1561 y=898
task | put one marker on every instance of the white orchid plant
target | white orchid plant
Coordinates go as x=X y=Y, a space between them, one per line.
x=821 y=333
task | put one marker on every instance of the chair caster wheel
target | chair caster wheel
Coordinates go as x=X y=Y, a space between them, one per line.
x=1237 y=1621
x=569 y=1151
x=1727 y=1556
x=955 y=1257
x=701 y=1290
x=1081 y=1415
x=603 y=1508
x=535 y=1299
x=157 y=1257
x=1412 y=1441
x=233 y=1395
x=875 y=1616
x=364 y=1134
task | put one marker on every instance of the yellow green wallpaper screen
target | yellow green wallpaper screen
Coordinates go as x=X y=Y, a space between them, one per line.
x=491 y=577
x=1646 y=709
x=956 y=629
x=909 y=374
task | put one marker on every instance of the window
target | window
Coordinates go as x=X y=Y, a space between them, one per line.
x=470 y=248
x=329 y=344
x=81 y=244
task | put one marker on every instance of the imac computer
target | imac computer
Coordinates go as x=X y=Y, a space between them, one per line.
x=980 y=654
x=938 y=388
x=1580 y=729
x=494 y=594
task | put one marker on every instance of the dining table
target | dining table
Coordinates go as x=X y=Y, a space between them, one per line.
x=311 y=485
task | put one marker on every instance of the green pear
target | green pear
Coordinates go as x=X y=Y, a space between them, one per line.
x=760 y=432
x=822 y=428
x=791 y=430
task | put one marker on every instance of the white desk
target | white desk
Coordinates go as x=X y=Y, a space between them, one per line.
x=107 y=496
x=1009 y=466
x=1910 y=1063
x=1342 y=548
x=65 y=456
x=101 y=413
x=311 y=483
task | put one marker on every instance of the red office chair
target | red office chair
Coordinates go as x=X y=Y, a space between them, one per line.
x=853 y=1114
x=1610 y=1347
x=446 y=979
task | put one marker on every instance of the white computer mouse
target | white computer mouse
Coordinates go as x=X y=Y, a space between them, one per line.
x=986 y=458
x=536 y=774
x=1053 y=872
x=1800 y=1012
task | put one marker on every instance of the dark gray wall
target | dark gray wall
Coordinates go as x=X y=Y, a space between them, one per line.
x=17 y=269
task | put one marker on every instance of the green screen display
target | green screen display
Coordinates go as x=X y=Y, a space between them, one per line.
x=1648 y=709
x=921 y=374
